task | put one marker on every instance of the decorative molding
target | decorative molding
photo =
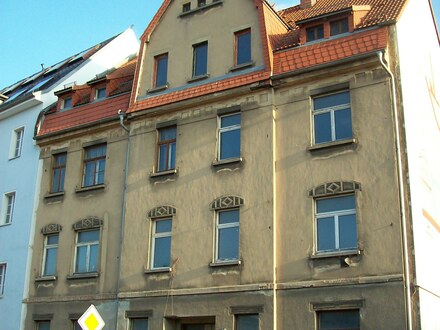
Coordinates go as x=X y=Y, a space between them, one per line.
x=334 y=188
x=87 y=223
x=162 y=211
x=52 y=228
x=226 y=202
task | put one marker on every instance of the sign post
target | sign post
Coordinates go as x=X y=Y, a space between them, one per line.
x=91 y=320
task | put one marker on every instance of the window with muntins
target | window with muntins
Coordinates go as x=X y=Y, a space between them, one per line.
x=58 y=172
x=229 y=136
x=87 y=251
x=8 y=208
x=332 y=117
x=2 y=278
x=227 y=235
x=338 y=320
x=336 y=226
x=17 y=142
x=186 y=7
x=94 y=165
x=161 y=243
x=243 y=50
x=160 y=70
x=50 y=255
x=139 y=324
x=314 y=33
x=339 y=26
x=200 y=59
x=247 y=322
x=166 y=149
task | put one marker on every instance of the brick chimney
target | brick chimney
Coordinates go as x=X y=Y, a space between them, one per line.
x=307 y=3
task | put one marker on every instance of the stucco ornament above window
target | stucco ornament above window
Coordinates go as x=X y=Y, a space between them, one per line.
x=162 y=211
x=88 y=223
x=51 y=229
x=226 y=202
x=334 y=188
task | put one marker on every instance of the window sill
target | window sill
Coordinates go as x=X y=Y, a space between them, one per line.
x=158 y=89
x=326 y=145
x=90 y=188
x=163 y=173
x=57 y=195
x=201 y=8
x=78 y=276
x=198 y=78
x=15 y=157
x=51 y=278
x=227 y=161
x=158 y=271
x=242 y=66
x=335 y=254
x=229 y=263
x=5 y=224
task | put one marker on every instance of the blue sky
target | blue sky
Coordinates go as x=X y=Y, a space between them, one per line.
x=48 y=31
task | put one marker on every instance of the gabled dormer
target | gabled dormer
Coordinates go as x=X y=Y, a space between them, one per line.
x=65 y=98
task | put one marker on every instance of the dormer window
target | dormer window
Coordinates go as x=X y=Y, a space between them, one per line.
x=100 y=93
x=186 y=7
x=67 y=103
x=315 y=33
x=201 y=3
x=339 y=26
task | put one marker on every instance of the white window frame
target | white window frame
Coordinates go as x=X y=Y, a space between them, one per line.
x=2 y=278
x=16 y=143
x=332 y=111
x=8 y=206
x=88 y=245
x=46 y=248
x=335 y=215
x=155 y=235
x=222 y=130
x=219 y=227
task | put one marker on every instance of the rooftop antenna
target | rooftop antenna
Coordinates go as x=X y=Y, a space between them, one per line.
x=42 y=66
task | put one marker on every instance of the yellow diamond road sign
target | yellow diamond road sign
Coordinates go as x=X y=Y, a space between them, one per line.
x=91 y=320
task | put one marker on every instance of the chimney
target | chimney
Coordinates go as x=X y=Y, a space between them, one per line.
x=307 y=3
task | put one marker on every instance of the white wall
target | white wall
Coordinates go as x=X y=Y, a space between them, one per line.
x=419 y=54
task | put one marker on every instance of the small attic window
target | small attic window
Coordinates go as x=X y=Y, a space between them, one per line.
x=67 y=103
x=201 y=3
x=339 y=26
x=186 y=7
x=315 y=32
x=100 y=93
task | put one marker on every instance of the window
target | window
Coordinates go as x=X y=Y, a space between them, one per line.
x=338 y=27
x=332 y=117
x=67 y=102
x=243 y=53
x=161 y=243
x=227 y=235
x=43 y=325
x=100 y=93
x=247 y=322
x=315 y=33
x=8 y=208
x=87 y=251
x=94 y=165
x=336 y=228
x=200 y=59
x=50 y=255
x=139 y=324
x=160 y=70
x=58 y=172
x=229 y=136
x=16 y=142
x=166 y=149
x=338 y=319
x=201 y=3
x=75 y=325
x=186 y=7
x=2 y=278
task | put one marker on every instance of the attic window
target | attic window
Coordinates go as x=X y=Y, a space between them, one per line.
x=100 y=93
x=201 y=3
x=186 y=7
x=315 y=33
x=339 y=26
x=67 y=103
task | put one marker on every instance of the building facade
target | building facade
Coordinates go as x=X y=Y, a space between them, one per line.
x=269 y=173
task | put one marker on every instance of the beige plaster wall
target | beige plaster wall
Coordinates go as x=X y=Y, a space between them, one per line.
x=192 y=29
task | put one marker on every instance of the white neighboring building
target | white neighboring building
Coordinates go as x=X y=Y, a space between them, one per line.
x=20 y=105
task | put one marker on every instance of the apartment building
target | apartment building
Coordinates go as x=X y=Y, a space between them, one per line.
x=268 y=171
